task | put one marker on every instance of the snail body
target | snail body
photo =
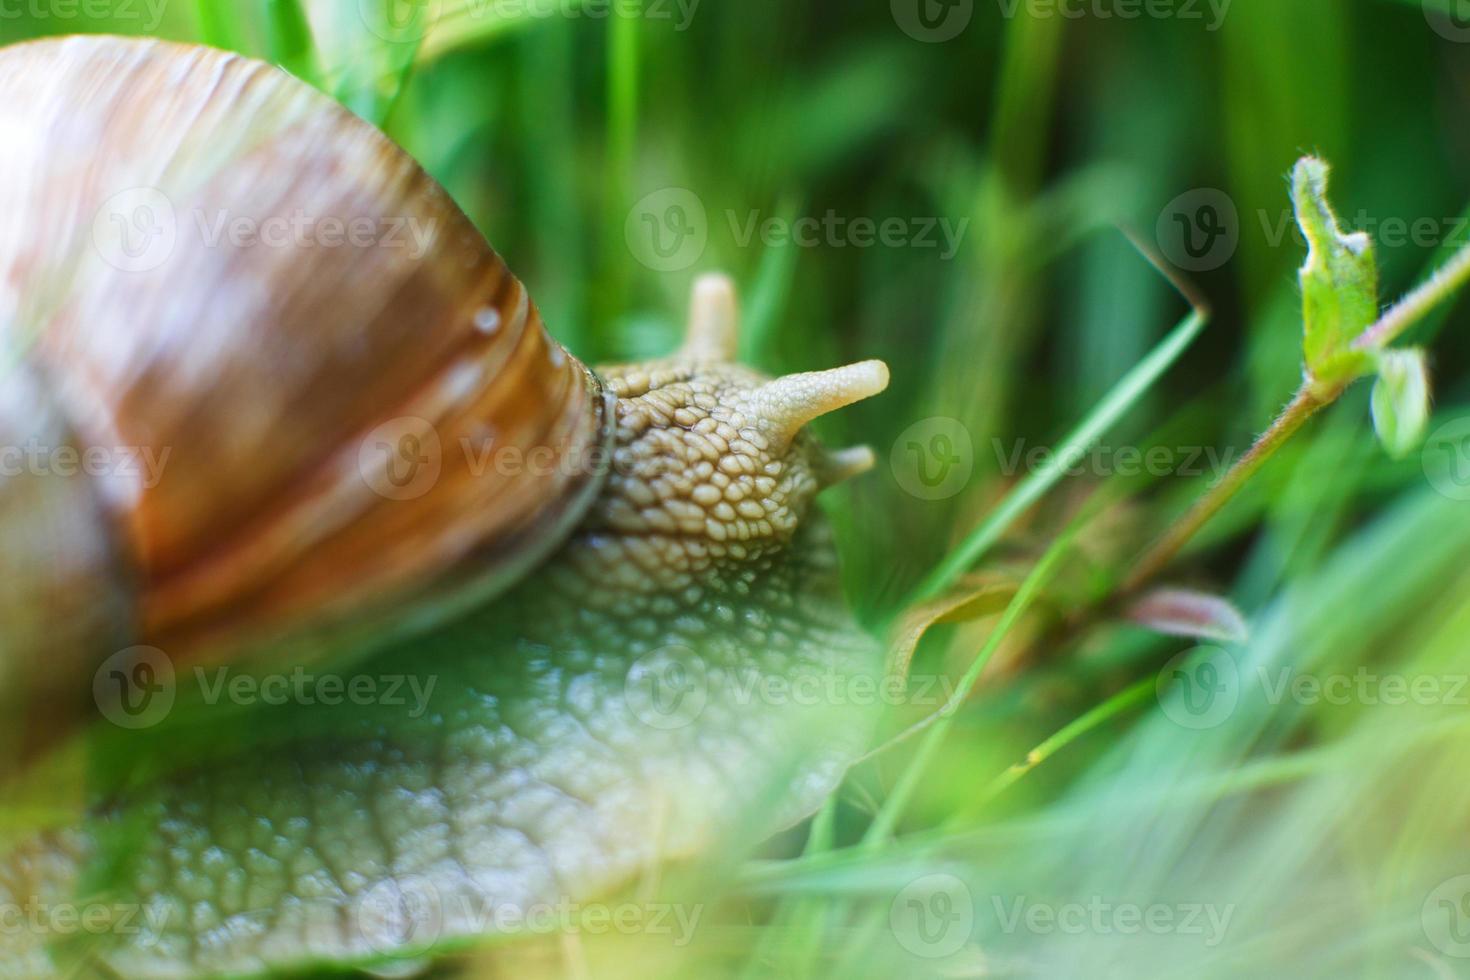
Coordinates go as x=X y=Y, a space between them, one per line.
x=674 y=535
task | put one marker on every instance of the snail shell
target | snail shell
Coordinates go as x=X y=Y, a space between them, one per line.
x=284 y=390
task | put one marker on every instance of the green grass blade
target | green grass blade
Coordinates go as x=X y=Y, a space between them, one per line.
x=768 y=298
x=621 y=138
x=1111 y=708
x=893 y=807
x=1122 y=397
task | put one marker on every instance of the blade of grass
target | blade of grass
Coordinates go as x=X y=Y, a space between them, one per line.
x=622 y=132
x=1069 y=733
x=622 y=97
x=794 y=942
x=772 y=287
x=1107 y=412
x=937 y=727
x=1028 y=77
x=892 y=810
x=549 y=120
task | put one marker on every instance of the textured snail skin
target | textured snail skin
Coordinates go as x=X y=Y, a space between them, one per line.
x=669 y=673
x=546 y=769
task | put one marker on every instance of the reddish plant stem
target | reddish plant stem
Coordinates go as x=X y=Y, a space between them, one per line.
x=1308 y=402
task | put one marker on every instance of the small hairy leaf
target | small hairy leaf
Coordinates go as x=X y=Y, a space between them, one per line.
x=1339 y=281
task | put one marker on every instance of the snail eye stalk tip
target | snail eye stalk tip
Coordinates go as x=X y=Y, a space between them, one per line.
x=714 y=320
x=789 y=403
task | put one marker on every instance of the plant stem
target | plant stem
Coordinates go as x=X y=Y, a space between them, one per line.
x=1308 y=402
x=1413 y=307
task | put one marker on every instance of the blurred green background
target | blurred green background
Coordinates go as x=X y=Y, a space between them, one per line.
x=613 y=151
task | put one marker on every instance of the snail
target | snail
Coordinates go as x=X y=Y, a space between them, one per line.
x=601 y=631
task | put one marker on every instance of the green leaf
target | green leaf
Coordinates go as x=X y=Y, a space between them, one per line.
x=1339 y=282
x=1401 y=401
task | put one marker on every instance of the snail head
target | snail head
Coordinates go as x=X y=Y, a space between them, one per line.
x=712 y=458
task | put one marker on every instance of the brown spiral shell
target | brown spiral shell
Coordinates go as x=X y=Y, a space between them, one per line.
x=356 y=432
